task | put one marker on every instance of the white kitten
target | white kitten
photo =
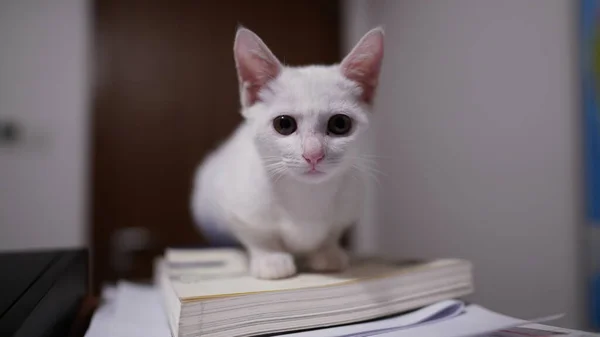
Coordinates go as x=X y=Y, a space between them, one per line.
x=289 y=181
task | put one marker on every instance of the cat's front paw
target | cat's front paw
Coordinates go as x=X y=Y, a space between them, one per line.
x=271 y=266
x=329 y=260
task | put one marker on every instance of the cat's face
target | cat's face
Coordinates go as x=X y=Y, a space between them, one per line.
x=307 y=122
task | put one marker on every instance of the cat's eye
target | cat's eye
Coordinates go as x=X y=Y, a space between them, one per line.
x=339 y=125
x=285 y=125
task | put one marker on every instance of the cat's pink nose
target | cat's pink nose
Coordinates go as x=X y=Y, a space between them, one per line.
x=314 y=157
x=313 y=150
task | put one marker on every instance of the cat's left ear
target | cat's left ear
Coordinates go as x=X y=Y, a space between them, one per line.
x=363 y=63
x=256 y=65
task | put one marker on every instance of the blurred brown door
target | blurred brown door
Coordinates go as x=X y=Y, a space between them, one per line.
x=165 y=93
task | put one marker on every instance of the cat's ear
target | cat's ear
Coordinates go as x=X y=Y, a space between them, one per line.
x=363 y=63
x=256 y=65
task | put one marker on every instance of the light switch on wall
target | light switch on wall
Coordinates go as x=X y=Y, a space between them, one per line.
x=10 y=132
x=15 y=136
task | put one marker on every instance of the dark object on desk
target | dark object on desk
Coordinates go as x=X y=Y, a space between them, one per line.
x=41 y=292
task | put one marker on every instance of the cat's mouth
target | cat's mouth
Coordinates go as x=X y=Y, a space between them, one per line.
x=313 y=171
x=313 y=174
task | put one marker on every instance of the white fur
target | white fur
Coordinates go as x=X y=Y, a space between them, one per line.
x=255 y=185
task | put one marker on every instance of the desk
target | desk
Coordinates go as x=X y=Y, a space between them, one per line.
x=42 y=293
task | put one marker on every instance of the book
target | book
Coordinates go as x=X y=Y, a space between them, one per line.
x=209 y=292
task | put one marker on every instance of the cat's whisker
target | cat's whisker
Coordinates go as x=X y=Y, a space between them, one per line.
x=369 y=164
x=271 y=160
x=372 y=177
x=274 y=164
x=355 y=176
x=373 y=160
x=375 y=156
x=277 y=169
x=296 y=165
x=369 y=171
x=280 y=173
x=376 y=171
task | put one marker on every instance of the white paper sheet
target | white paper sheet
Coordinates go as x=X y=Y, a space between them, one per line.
x=430 y=314
x=475 y=321
x=132 y=311
x=539 y=330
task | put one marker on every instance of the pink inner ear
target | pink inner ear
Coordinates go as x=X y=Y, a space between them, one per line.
x=256 y=65
x=363 y=64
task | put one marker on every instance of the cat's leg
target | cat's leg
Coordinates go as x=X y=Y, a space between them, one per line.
x=330 y=257
x=271 y=264
x=268 y=258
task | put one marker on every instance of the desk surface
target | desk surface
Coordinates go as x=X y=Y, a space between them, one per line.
x=19 y=272
x=41 y=291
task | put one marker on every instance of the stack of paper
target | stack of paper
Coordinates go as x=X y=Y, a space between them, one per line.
x=210 y=292
x=133 y=310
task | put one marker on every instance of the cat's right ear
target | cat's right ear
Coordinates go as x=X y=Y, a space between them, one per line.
x=256 y=65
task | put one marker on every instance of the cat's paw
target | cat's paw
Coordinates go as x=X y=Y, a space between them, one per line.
x=329 y=260
x=271 y=266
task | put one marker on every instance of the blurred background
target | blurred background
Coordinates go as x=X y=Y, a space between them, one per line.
x=107 y=106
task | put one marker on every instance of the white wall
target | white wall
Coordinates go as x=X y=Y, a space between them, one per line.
x=477 y=126
x=44 y=86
